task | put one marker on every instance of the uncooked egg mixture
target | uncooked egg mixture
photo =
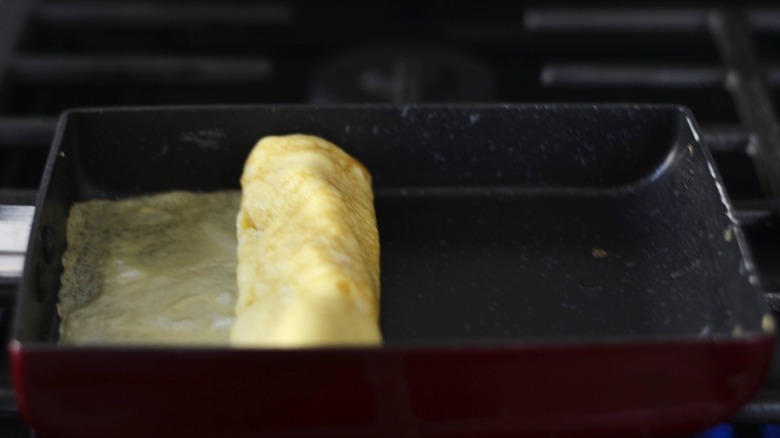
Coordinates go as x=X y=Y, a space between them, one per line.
x=157 y=269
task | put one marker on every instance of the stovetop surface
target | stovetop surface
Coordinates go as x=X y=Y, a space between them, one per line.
x=722 y=62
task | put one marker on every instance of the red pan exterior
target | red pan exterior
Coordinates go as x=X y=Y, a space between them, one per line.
x=572 y=389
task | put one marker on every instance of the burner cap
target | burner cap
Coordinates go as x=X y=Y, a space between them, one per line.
x=402 y=74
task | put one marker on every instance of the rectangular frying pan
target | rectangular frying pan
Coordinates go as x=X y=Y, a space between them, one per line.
x=546 y=269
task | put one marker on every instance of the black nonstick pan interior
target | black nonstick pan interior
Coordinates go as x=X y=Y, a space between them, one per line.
x=498 y=223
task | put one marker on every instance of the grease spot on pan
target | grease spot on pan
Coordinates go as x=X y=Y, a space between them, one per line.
x=768 y=324
x=687 y=269
x=728 y=234
x=207 y=139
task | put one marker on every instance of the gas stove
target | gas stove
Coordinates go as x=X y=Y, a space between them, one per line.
x=720 y=62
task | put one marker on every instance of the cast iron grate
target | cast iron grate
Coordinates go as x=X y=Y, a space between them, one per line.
x=722 y=63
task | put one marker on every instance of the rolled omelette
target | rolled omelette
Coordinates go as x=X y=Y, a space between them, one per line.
x=308 y=247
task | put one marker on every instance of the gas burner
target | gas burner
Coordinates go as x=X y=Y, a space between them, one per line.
x=402 y=74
